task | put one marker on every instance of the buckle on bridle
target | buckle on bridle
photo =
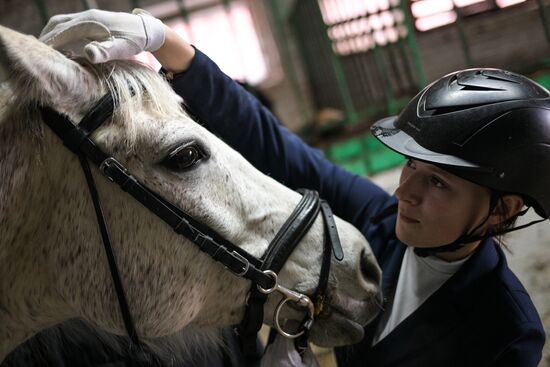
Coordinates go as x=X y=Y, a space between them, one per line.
x=107 y=165
x=289 y=295
x=244 y=261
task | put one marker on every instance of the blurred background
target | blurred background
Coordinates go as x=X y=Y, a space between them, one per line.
x=330 y=68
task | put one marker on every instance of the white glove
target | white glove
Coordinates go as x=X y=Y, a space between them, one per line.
x=281 y=353
x=101 y=36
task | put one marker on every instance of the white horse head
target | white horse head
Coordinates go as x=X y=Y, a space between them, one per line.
x=52 y=263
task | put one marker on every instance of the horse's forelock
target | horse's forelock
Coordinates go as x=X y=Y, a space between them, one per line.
x=135 y=87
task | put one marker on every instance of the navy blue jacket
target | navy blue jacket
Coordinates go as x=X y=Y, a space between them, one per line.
x=482 y=316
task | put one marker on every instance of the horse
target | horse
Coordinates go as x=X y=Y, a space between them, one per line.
x=52 y=264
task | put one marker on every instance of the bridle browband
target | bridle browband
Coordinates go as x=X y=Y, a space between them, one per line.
x=262 y=272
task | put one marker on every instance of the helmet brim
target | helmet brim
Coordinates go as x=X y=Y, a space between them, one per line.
x=401 y=142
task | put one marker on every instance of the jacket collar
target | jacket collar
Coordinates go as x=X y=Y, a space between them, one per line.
x=441 y=311
x=484 y=260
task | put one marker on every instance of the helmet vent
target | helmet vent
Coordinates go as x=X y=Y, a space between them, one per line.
x=501 y=78
x=450 y=109
x=479 y=88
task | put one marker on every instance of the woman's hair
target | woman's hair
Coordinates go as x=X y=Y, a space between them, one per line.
x=505 y=221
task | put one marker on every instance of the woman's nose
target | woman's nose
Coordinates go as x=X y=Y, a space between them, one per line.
x=408 y=189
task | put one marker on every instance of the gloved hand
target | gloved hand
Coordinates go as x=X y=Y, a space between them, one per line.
x=281 y=353
x=101 y=36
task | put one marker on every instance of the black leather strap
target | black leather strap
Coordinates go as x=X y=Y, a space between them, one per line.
x=301 y=343
x=111 y=258
x=292 y=231
x=101 y=112
x=278 y=252
x=240 y=262
x=230 y=255
x=332 y=231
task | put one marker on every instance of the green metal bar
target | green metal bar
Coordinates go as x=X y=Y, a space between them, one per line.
x=462 y=36
x=184 y=13
x=362 y=77
x=388 y=94
x=85 y=4
x=134 y=4
x=240 y=52
x=313 y=67
x=367 y=80
x=183 y=10
x=411 y=39
x=544 y=18
x=341 y=81
x=374 y=78
x=407 y=66
x=42 y=10
x=225 y=3
x=285 y=56
x=323 y=53
x=394 y=63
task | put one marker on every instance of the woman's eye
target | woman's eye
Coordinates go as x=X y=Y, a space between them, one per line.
x=437 y=182
x=184 y=158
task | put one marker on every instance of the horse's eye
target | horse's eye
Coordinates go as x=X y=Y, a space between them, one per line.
x=184 y=157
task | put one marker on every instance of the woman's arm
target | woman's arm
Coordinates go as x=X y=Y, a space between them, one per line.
x=525 y=351
x=242 y=122
x=175 y=55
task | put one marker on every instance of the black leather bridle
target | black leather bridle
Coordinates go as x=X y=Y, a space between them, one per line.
x=262 y=272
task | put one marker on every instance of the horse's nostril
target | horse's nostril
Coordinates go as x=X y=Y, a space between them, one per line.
x=369 y=268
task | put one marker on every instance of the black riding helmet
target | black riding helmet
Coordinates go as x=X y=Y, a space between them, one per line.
x=488 y=126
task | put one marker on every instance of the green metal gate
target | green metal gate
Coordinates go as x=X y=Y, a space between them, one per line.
x=364 y=63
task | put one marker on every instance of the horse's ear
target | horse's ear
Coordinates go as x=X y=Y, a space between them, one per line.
x=40 y=72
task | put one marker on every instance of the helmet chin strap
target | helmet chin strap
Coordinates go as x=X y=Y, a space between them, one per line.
x=465 y=238
x=470 y=237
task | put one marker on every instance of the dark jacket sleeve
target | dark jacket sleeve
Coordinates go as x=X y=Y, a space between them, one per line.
x=525 y=351
x=242 y=122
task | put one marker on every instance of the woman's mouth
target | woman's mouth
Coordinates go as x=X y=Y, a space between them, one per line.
x=407 y=219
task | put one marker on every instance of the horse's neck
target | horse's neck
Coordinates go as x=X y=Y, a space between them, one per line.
x=26 y=293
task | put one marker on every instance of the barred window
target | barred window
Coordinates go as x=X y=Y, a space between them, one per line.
x=430 y=14
x=356 y=26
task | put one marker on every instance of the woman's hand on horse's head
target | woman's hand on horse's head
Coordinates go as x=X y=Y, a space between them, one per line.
x=100 y=36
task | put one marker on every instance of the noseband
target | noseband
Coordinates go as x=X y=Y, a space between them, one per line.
x=262 y=272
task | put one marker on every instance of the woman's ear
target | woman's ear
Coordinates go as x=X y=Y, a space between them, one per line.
x=508 y=206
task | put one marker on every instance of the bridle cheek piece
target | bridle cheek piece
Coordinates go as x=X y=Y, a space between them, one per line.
x=262 y=272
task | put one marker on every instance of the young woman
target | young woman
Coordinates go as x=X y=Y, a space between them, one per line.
x=478 y=143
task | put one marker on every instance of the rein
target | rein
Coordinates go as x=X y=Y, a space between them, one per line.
x=261 y=272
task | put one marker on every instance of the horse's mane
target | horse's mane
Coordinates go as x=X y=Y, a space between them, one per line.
x=78 y=339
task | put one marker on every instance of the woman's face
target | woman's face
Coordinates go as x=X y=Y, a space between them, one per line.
x=436 y=207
